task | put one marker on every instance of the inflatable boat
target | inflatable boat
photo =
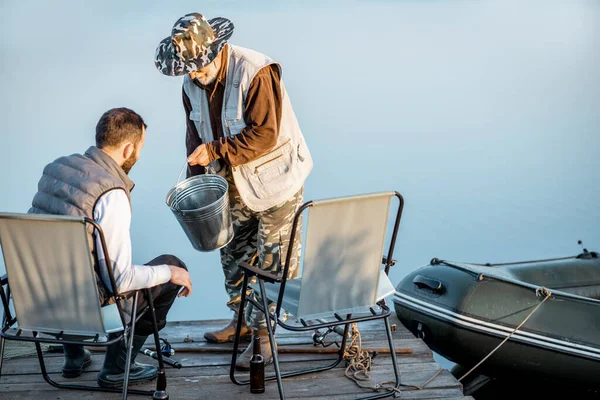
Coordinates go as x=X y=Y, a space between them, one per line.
x=463 y=311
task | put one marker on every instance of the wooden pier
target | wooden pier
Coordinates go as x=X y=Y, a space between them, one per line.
x=205 y=371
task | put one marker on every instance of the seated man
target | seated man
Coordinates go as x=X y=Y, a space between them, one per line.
x=96 y=185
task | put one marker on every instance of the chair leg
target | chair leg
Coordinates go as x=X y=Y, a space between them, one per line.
x=271 y=339
x=161 y=381
x=38 y=348
x=129 y=345
x=392 y=352
x=392 y=392
x=2 y=341
x=79 y=387
x=238 y=329
x=344 y=342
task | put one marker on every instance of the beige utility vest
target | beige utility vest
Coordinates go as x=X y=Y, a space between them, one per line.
x=276 y=176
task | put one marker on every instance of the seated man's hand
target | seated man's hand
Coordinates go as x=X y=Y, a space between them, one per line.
x=181 y=277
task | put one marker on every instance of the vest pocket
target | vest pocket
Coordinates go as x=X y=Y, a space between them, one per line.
x=270 y=174
x=234 y=126
x=272 y=169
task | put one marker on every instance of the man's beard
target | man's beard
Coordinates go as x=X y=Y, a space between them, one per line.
x=130 y=162
x=208 y=78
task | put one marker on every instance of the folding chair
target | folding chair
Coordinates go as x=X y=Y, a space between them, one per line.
x=51 y=285
x=342 y=279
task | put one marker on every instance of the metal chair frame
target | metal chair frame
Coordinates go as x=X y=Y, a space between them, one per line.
x=263 y=276
x=8 y=323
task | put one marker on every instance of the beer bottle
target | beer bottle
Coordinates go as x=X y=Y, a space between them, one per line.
x=257 y=368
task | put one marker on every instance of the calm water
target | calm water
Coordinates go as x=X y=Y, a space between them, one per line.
x=483 y=114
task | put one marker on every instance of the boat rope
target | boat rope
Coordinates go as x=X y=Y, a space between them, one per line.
x=541 y=291
x=359 y=360
x=359 y=364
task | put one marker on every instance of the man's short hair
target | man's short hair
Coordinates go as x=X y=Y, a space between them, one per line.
x=118 y=125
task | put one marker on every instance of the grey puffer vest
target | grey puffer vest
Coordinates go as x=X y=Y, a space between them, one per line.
x=73 y=184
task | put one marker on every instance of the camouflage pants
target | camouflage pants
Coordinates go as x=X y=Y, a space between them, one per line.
x=261 y=239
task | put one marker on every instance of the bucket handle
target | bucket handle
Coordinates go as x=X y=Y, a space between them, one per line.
x=209 y=170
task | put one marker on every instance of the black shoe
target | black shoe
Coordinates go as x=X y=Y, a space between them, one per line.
x=112 y=374
x=77 y=358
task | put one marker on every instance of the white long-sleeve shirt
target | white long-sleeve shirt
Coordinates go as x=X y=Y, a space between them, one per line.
x=113 y=214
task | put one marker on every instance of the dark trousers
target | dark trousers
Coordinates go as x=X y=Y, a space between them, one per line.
x=164 y=296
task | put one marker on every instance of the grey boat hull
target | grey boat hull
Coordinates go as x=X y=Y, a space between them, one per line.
x=463 y=311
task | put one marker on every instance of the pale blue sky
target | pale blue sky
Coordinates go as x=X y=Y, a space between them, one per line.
x=483 y=114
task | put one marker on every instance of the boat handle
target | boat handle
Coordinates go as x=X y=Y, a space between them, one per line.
x=423 y=282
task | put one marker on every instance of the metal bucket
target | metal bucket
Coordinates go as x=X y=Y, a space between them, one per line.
x=201 y=205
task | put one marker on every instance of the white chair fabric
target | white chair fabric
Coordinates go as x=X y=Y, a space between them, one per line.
x=341 y=270
x=291 y=296
x=51 y=275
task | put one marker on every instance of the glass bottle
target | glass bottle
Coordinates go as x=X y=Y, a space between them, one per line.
x=257 y=368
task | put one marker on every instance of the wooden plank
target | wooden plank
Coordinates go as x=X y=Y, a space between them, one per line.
x=31 y=371
x=189 y=383
x=193 y=331
x=31 y=366
x=380 y=346
x=419 y=353
x=177 y=393
x=195 y=387
x=410 y=375
x=201 y=369
x=403 y=346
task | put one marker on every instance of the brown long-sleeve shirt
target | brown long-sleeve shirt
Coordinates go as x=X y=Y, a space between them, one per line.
x=262 y=114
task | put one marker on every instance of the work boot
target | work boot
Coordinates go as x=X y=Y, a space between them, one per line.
x=112 y=374
x=227 y=334
x=243 y=360
x=77 y=358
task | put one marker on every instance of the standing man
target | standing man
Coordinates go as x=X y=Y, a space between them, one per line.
x=95 y=185
x=240 y=125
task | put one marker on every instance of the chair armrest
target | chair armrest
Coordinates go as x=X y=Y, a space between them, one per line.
x=265 y=276
x=384 y=261
x=4 y=279
x=123 y=296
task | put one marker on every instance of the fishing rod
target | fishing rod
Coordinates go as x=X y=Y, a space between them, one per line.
x=166 y=360
x=166 y=351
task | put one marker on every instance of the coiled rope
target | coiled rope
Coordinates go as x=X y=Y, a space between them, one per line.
x=359 y=360
x=359 y=364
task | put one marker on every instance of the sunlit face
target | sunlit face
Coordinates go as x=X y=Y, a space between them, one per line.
x=130 y=162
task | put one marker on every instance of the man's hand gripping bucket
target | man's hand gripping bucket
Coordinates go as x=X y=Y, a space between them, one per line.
x=201 y=206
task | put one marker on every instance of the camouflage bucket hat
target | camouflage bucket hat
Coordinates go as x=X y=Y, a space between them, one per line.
x=193 y=44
